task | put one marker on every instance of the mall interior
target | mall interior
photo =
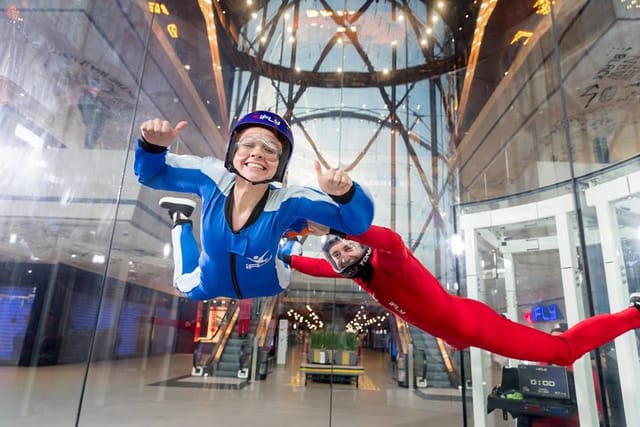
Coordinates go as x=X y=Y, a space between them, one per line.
x=499 y=139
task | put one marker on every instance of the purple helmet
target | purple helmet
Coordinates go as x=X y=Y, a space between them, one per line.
x=274 y=123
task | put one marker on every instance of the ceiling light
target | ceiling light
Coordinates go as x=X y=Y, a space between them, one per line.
x=28 y=136
x=98 y=259
x=457 y=245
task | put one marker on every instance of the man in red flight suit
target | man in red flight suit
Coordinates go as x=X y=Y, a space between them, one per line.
x=380 y=262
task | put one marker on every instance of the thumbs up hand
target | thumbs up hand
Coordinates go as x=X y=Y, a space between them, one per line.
x=160 y=132
x=333 y=181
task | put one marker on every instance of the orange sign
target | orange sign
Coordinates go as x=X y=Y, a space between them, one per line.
x=172 y=29
x=158 y=8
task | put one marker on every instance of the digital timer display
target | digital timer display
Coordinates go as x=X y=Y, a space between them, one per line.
x=544 y=381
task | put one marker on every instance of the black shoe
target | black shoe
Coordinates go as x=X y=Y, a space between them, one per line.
x=179 y=209
x=634 y=300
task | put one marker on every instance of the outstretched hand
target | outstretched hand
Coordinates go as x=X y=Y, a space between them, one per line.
x=334 y=181
x=160 y=132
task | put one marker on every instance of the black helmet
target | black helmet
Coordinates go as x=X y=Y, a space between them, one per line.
x=274 y=123
x=357 y=266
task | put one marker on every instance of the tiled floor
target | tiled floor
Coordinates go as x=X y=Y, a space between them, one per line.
x=122 y=393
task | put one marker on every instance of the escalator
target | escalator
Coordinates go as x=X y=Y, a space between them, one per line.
x=429 y=366
x=228 y=355
x=208 y=349
x=420 y=359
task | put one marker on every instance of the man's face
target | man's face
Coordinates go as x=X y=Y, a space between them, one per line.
x=345 y=253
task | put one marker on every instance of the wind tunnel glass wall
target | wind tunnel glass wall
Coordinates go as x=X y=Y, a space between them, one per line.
x=548 y=158
x=75 y=228
x=443 y=111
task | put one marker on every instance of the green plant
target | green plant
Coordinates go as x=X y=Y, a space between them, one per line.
x=333 y=340
x=350 y=341
x=318 y=339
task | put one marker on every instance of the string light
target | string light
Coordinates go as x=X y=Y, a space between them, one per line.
x=526 y=35
x=631 y=4
x=543 y=7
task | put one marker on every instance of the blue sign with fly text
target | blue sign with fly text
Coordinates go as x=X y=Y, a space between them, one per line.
x=545 y=313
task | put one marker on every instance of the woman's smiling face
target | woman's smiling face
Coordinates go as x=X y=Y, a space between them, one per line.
x=257 y=154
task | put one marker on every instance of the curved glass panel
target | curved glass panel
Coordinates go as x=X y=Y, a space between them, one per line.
x=600 y=72
x=540 y=122
x=67 y=106
x=509 y=126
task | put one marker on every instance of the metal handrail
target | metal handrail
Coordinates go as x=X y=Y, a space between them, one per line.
x=265 y=327
x=449 y=364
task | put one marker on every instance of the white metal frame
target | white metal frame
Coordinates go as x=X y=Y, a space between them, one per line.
x=559 y=208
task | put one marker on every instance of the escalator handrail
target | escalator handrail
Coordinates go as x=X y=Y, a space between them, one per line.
x=265 y=329
x=226 y=327
x=400 y=331
x=448 y=361
x=424 y=363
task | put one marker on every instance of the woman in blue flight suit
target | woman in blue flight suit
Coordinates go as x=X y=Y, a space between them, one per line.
x=243 y=214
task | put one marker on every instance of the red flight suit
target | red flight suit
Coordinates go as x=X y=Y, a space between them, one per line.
x=405 y=287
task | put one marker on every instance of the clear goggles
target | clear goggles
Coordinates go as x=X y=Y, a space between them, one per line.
x=269 y=147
